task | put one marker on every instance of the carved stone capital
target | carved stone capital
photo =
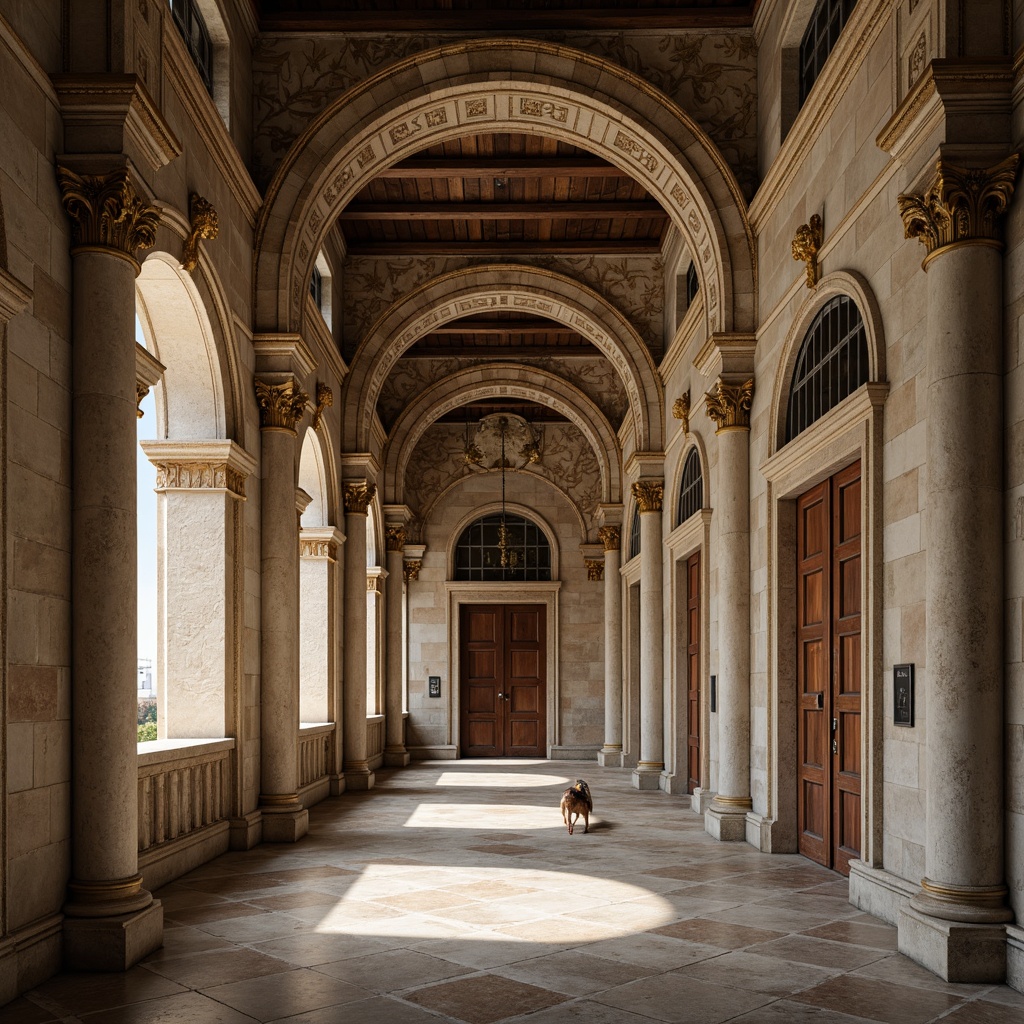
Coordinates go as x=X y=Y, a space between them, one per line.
x=324 y=398
x=806 y=244
x=198 y=476
x=411 y=570
x=595 y=569
x=611 y=537
x=681 y=410
x=729 y=404
x=358 y=496
x=375 y=584
x=107 y=213
x=317 y=548
x=962 y=204
x=649 y=495
x=281 y=405
x=204 y=225
x=394 y=537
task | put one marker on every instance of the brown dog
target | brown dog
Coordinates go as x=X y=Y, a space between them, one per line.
x=577 y=803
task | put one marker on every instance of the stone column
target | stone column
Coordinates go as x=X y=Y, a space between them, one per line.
x=610 y=755
x=395 y=754
x=953 y=925
x=281 y=405
x=358 y=495
x=647 y=774
x=111 y=922
x=729 y=406
x=318 y=632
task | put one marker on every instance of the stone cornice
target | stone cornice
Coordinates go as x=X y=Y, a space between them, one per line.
x=148 y=372
x=285 y=354
x=21 y=54
x=645 y=464
x=14 y=297
x=329 y=536
x=731 y=354
x=200 y=465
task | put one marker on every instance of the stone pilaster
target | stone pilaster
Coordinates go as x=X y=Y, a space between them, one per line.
x=395 y=754
x=111 y=922
x=729 y=406
x=954 y=924
x=610 y=755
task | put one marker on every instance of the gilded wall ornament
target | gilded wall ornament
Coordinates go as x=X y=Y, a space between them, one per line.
x=806 y=244
x=649 y=495
x=610 y=537
x=324 y=399
x=729 y=404
x=358 y=497
x=962 y=204
x=141 y=390
x=281 y=405
x=106 y=212
x=681 y=410
x=411 y=570
x=595 y=569
x=394 y=537
x=204 y=225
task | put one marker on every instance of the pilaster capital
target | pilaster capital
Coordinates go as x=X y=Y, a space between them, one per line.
x=611 y=537
x=281 y=405
x=204 y=224
x=595 y=569
x=320 y=542
x=729 y=405
x=394 y=537
x=357 y=495
x=411 y=569
x=961 y=205
x=649 y=495
x=107 y=214
x=806 y=244
x=200 y=465
x=375 y=578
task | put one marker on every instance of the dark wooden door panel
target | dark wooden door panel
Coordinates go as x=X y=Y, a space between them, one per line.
x=482 y=711
x=526 y=680
x=693 y=673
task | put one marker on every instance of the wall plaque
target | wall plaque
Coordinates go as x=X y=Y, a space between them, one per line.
x=433 y=686
x=714 y=693
x=903 y=695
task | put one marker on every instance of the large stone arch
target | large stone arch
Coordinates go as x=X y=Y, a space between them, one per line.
x=513 y=379
x=504 y=85
x=498 y=287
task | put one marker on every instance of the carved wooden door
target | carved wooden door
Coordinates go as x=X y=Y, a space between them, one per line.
x=693 y=673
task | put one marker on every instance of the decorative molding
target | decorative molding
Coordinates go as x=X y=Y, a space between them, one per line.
x=204 y=225
x=141 y=390
x=200 y=465
x=324 y=399
x=806 y=244
x=611 y=537
x=962 y=204
x=729 y=405
x=595 y=569
x=358 y=496
x=649 y=495
x=681 y=410
x=411 y=569
x=394 y=537
x=106 y=212
x=317 y=548
x=281 y=405
x=199 y=476
x=375 y=584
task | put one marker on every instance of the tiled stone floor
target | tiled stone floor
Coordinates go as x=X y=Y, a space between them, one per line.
x=452 y=892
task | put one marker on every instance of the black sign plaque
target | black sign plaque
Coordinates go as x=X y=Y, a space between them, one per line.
x=433 y=686
x=714 y=693
x=903 y=695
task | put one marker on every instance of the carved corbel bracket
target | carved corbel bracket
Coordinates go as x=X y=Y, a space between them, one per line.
x=324 y=399
x=806 y=245
x=681 y=410
x=204 y=225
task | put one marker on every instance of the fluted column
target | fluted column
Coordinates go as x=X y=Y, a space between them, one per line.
x=358 y=495
x=647 y=774
x=959 y=220
x=395 y=754
x=111 y=921
x=281 y=406
x=610 y=755
x=729 y=406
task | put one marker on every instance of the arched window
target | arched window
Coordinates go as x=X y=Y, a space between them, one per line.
x=634 y=534
x=489 y=550
x=691 y=490
x=832 y=364
x=192 y=27
x=820 y=39
x=692 y=284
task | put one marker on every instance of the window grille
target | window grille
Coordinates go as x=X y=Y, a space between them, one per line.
x=691 y=491
x=479 y=553
x=316 y=289
x=832 y=364
x=193 y=30
x=692 y=284
x=820 y=39
x=634 y=534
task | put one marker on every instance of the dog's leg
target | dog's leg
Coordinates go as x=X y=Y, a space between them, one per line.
x=586 y=822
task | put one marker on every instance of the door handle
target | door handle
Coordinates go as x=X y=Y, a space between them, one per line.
x=835 y=725
x=504 y=696
x=835 y=747
x=501 y=696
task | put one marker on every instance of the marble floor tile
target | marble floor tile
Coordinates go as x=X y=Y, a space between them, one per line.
x=677 y=998
x=878 y=1000
x=190 y=1008
x=483 y=998
x=393 y=970
x=745 y=969
x=276 y=995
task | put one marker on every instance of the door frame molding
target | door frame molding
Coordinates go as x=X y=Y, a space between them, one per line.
x=458 y=593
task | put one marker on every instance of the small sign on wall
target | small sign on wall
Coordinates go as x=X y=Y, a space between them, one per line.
x=433 y=686
x=903 y=695
x=714 y=693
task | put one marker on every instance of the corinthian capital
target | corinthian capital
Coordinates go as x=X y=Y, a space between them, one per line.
x=358 y=497
x=281 y=405
x=729 y=404
x=649 y=495
x=962 y=204
x=394 y=537
x=610 y=537
x=204 y=225
x=106 y=212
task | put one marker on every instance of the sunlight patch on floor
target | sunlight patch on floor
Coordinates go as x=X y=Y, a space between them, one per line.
x=490 y=817
x=492 y=780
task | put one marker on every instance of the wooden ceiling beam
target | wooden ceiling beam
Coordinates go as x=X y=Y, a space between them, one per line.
x=574 y=247
x=503 y=167
x=613 y=210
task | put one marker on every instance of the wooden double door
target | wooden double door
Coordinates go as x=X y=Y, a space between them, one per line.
x=829 y=670
x=693 y=673
x=503 y=685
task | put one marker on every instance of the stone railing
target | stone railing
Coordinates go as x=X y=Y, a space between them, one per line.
x=375 y=740
x=315 y=760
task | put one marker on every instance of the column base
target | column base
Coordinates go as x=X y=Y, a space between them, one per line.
x=112 y=943
x=285 y=820
x=878 y=892
x=700 y=800
x=610 y=756
x=337 y=784
x=726 y=819
x=396 y=757
x=1015 y=957
x=953 y=950
x=647 y=775
x=359 y=779
x=246 y=831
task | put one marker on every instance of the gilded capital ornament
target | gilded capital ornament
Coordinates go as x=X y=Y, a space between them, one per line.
x=324 y=398
x=204 y=225
x=806 y=243
x=681 y=410
x=610 y=537
x=358 y=497
x=281 y=405
x=649 y=495
x=962 y=204
x=411 y=570
x=106 y=212
x=141 y=390
x=595 y=569
x=394 y=537
x=729 y=404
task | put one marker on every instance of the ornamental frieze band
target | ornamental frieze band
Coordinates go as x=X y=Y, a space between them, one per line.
x=281 y=405
x=317 y=549
x=649 y=495
x=729 y=404
x=610 y=537
x=195 y=476
x=358 y=497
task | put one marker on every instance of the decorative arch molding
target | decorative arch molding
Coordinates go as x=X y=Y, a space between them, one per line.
x=490 y=508
x=512 y=379
x=503 y=287
x=495 y=85
x=840 y=283
x=315 y=475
